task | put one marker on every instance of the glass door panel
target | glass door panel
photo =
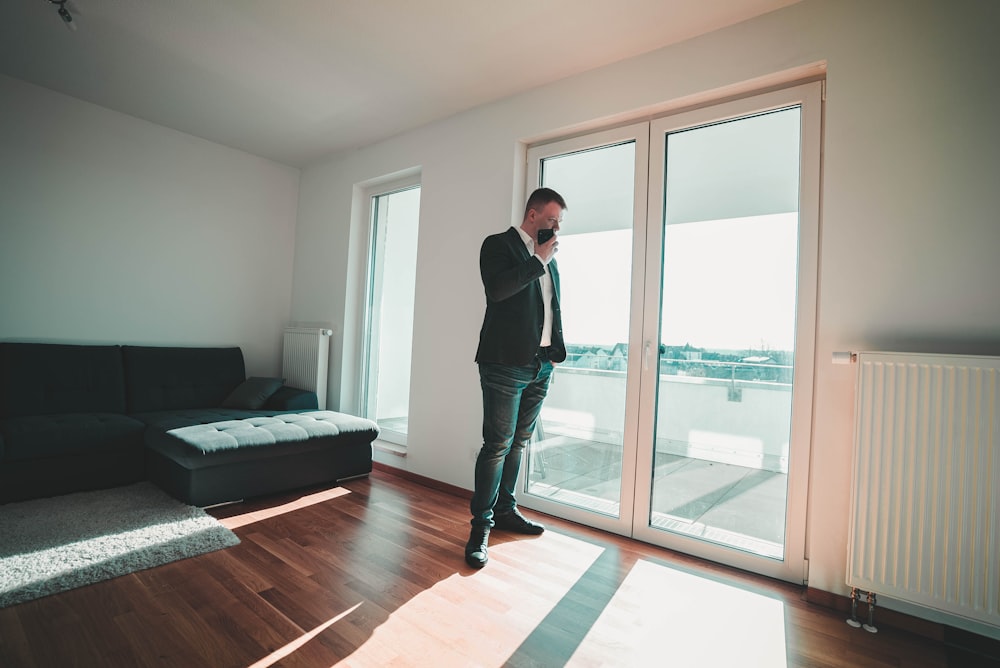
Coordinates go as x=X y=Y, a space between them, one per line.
x=584 y=442
x=730 y=316
x=730 y=244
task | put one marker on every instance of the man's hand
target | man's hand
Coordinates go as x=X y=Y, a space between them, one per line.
x=548 y=249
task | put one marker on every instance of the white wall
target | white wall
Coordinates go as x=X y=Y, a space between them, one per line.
x=910 y=226
x=116 y=230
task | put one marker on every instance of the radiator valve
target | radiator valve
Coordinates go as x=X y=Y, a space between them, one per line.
x=853 y=620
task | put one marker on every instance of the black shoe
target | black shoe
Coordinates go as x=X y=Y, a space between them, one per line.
x=475 y=549
x=516 y=522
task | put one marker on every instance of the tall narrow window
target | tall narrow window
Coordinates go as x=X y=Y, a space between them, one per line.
x=389 y=315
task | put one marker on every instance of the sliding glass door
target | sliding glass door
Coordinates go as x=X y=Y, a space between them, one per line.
x=682 y=414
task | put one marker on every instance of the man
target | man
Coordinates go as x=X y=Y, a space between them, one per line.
x=520 y=340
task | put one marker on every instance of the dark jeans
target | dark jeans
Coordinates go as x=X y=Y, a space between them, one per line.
x=512 y=400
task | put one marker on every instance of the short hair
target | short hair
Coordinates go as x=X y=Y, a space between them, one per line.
x=541 y=197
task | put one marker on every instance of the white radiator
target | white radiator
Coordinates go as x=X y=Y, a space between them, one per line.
x=306 y=360
x=925 y=511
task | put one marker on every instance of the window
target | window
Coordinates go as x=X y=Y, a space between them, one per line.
x=392 y=262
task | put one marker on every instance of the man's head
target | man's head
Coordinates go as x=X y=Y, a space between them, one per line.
x=544 y=210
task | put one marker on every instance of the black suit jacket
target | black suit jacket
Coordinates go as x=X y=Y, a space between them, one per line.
x=512 y=327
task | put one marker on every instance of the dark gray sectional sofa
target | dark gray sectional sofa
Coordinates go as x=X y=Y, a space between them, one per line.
x=80 y=417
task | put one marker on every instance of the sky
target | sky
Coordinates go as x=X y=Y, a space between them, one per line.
x=727 y=284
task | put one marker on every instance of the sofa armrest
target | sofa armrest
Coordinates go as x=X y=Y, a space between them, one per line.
x=292 y=399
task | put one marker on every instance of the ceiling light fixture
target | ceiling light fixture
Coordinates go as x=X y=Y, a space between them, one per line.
x=64 y=13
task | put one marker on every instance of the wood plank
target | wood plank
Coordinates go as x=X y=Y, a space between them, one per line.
x=371 y=573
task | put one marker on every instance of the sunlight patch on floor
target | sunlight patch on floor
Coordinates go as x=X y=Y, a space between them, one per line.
x=281 y=653
x=236 y=521
x=663 y=616
x=444 y=625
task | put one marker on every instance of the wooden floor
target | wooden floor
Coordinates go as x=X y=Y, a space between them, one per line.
x=372 y=574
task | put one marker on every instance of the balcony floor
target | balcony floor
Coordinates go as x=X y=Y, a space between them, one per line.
x=734 y=505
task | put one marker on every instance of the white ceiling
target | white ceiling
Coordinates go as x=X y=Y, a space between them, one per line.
x=295 y=80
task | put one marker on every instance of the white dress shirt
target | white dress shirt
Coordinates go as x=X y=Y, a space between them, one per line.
x=546 y=285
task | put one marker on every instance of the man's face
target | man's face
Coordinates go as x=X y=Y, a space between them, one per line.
x=548 y=218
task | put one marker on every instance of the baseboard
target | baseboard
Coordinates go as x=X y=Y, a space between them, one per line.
x=949 y=635
x=422 y=480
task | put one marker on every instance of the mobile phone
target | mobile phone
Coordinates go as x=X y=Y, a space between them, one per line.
x=544 y=235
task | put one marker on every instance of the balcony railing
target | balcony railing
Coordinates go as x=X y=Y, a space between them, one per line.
x=728 y=412
x=721 y=448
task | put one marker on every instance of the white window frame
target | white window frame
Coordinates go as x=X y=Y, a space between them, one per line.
x=398 y=440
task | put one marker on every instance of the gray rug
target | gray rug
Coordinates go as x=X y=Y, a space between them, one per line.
x=52 y=545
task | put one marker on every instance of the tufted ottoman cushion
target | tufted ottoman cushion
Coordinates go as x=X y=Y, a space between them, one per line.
x=232 y=459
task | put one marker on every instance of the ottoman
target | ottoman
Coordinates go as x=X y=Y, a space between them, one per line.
x=230 y=460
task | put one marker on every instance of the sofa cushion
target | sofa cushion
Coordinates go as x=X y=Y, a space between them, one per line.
x=48 y=379
x=252 y=393
x=165 y=378
x=292 y=399
x=46 y=436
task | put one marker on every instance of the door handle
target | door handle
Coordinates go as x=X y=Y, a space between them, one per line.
x=647 y=348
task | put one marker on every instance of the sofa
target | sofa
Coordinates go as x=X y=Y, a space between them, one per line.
x=82 y=417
